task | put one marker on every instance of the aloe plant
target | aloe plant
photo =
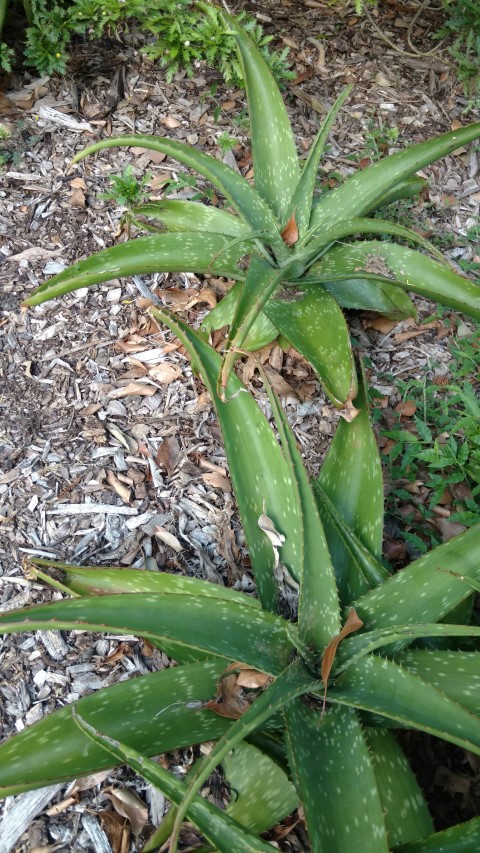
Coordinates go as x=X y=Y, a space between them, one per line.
x=315 y=725
x=305 y=261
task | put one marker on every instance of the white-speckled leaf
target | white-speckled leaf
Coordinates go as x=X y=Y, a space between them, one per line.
x=177 y=252
x=261 y=333
x=311 y=320
x=262 y=794
x=406 y=268
x=362 y=294
x=366 y=189
x=406 y=812
x=335 y=780
x=383 y=687
x=462 y=838
x=217 y=826
x=149 y=713
x=248 y=203
x=259 y=472
x=455 y=673
x=178 y=215
x=261 y=281
x=275 y=159
x=205 y=624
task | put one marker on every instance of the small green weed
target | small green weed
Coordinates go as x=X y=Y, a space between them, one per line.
x=226 y=142
x=126 y=190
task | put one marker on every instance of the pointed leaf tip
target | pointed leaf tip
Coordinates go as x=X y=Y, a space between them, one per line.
x=290 y=232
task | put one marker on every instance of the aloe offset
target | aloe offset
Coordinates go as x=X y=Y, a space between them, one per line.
x=301 y=271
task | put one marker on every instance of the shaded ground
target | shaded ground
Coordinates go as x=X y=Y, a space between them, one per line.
x=92 y=471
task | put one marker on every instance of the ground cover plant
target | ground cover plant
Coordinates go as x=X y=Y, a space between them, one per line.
x=302 y=686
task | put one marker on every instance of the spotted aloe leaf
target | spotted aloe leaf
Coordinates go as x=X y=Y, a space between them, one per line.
x=381 y=686
x=462 y=838
x=211 y=625
x=302 y=201
x=351 y=470
x=275 y=159
x=406 y=812
x=177 y=252
x=150 y=713
x=405 y=268
x=329 y=756
x=218 y=827
x=318 y=592
x=420 y=593
x=247 y=202
x=357 y=647
x=310 y=319
x=177 y=215
x=261 y=332
x=293 y=682
x=368 y=188
x=455 y=673
x=260 y=475
x=367 y=295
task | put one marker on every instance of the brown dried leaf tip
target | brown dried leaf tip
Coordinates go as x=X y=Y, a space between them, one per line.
x=352 y=624
x=290 y=232
x=231 y=700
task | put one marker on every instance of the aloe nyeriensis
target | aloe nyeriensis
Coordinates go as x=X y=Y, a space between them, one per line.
x=318 y=730
x=305 y=258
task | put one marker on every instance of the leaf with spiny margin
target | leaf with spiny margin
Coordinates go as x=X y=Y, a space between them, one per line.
x=335 y=780
x=420 y=593
x=293 y=682
x=217 y=826
x=405 y=268
x=462 y=838
x=262 y=331
x=247 y=201
x=316 y=246
x=209 y=625
x=258 y=469
x=177 y=252
x=368 y=188
x=302 y=200
x=406 y=811
x=351 y=478
x=98 y=580
x=381 y=686
x=318 y=592
x=262 y=794
x=361 y=645
x=150 y=713
x=312 y=322
x=177 y=215
x=404 y=189
x=455 y=673
x=261 y=282
x=363 y=294
x=275 y=159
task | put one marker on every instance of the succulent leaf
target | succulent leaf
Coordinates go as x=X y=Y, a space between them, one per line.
x=178 y=215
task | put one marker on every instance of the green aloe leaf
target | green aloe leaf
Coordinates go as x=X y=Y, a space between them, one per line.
x=455 y=673
x=404 y=189
x=96 y=580
x=209 y=625
x=335 y=780
x=406 y=812
x=178 y=252
x=275 y=159
x=217 y=826
x=262 y=794
x=310 y=319
x=406 y=268
x=420 y=593
x=150 y=713
x=351 y=470
x=368 y=188
x=253 y=454
x=177 y=215
x=318 y=592
x=293 y=682
x=262 y=331
x=372 y=640
x=462 y=838
x=302 y=200
x=381 y=686
x=247 y=201
x=363 y=294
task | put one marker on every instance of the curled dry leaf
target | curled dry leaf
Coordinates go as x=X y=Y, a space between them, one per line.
x=168 y=538
x=118 y=487
x=128 y=805
x=217 y=481
x=231 y=701
x=352 y=624
x=406 y=408
x=290 y=232
x=139 y=389
x=168 y=454
x=277 y=539
x=165 y=373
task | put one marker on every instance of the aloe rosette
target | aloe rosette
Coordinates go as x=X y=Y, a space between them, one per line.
x=306 y=262
x=318 y=732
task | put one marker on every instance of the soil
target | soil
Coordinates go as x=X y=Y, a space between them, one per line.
x=91 y=469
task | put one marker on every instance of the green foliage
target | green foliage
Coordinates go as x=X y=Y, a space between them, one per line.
x=126 y=189
x=462 y=24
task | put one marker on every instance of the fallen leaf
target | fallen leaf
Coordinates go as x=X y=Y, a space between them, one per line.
x=128 y=805
x=165 y=373
x=406 y=408
x=253 y=679
x=168 y=454
x=168 y=538
x=217 y=481
x=117 y=830
x=78 y=183
x=450 y=529
x=132 y=389
x=290 y=232
x=171 y=122
x=352 y=624
x=118 y=487
x=382 y=324
x=277 y=539
x=77 y=198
